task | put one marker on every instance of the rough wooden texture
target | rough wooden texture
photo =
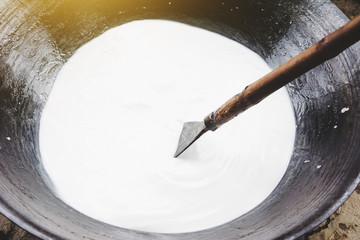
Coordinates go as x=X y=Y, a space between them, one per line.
x=10 y=231
x=327 y=48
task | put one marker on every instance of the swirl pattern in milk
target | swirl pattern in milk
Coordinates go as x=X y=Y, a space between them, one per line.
x=112 y=122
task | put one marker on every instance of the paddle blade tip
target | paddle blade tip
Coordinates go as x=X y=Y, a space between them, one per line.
x=190 y=133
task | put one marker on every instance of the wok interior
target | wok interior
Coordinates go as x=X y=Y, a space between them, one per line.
x=37 y=37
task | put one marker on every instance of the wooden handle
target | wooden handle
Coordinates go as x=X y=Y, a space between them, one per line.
x=327 y=48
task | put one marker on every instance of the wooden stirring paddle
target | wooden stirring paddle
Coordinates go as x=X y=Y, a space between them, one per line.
x=327 y=48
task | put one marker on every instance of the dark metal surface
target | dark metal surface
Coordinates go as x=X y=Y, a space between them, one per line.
x=37 y=37
x=325 y=49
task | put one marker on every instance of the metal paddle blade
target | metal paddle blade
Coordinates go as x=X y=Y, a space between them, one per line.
x=190 y=132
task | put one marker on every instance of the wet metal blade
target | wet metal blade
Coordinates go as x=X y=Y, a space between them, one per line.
x=190 y=133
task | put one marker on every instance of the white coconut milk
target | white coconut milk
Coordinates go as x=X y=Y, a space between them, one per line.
x=112 y=122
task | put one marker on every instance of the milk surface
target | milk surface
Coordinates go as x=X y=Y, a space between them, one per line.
x=112 y=122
